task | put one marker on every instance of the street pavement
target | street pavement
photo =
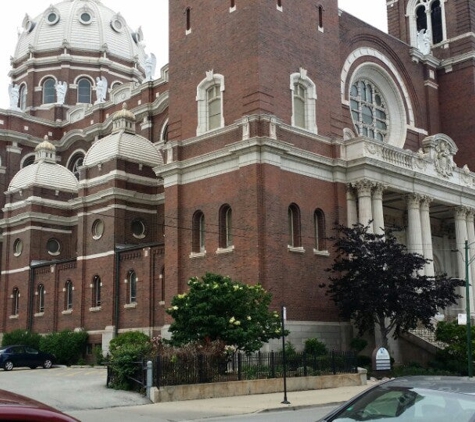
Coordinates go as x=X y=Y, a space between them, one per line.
x=189 y=410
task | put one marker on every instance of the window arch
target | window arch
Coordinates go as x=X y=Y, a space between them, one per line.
x=15 y=301
x=23 y=96
x=40 y=308
x=132 y=290
x=225 y=227
x=295 y=238
x=198 y=232
x=320 y=230
x=84 y=91
x=68 y=295
x=27 y=160
x=428 y=16
x=304 y=95
x=96 y=291
x=209 y=97
x=75 y=162
x=49 y=91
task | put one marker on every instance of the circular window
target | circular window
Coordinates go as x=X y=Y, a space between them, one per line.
x=53 y=246
x=117 y=25
x=52 y=18
x=97 y=229
x=85 y=18
x=138 y=229
x=17 y=247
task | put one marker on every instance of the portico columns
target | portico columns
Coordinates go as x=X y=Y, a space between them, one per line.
x=364 y=188
x=427 y=235
x=352 y=209
x=378 y=216
x=414 y=232
x=460 y=237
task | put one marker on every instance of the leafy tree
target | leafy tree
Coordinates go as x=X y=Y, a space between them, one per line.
x=218 y=308
x=375 y=280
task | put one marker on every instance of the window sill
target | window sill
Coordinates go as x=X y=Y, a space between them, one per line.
x=198 y=254
x=130 y=305
x=296 y=249
x=95 y=309
x=321 y=253
x=14 y=316
x=39 y=314
x=67 y=312
x=225 y=250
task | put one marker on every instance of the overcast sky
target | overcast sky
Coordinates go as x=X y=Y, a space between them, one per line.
x=152 y=19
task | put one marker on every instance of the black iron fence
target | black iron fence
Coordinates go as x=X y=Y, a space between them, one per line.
x=177 y=370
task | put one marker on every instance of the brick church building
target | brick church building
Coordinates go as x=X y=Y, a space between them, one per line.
x=273 y=120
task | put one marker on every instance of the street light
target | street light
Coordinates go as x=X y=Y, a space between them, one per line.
x=467 y=305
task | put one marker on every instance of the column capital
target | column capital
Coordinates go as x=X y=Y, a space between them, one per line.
x=461 y=212
x=413 y=200
x=364 y=187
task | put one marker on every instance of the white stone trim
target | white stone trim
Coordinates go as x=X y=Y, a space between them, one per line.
x=210 y=80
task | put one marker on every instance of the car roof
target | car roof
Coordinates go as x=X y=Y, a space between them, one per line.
x=14 y=406
x=453 y=384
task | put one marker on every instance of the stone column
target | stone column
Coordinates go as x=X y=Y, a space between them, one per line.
x=378 y=216
x=364 y=188
x=460 y=237
x=427 y=235
x=352 y=209
x=471 y=255
x=414 y=232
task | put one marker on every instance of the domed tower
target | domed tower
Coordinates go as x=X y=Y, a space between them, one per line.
x=73 y=53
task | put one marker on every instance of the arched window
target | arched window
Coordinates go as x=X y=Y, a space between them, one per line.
x=49 y=92
x=426 y=16
x=84 y=91
x=188 y=20
x=23 y=93
x=320 y=17
x=68 y=295
x=225 y=227
x=209 y=97
x=132 y=282
x=29 y=159
x=41 y=299
x=368 y=110
x=319 y=225
x=295 y=239
x=75 y=162
x=198 y=232
x=96 y=291
x=15 y=301
x=304 y=97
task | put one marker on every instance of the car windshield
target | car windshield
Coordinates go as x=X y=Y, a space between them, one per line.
x=410 y=404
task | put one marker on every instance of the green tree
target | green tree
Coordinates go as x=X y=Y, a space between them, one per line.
x=375 y=281
x=218 y=308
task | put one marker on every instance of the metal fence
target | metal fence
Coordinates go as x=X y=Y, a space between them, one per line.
x=177 y=370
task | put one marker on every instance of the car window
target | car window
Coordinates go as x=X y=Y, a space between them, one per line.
x=17 y=349
x=31 y=351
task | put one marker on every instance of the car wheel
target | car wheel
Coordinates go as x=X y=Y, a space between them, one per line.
x=47 y=364
x=8 y=365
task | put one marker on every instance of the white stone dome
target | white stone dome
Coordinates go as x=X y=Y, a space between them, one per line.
x=123 y=143
x=84 y=25
x=45 y=172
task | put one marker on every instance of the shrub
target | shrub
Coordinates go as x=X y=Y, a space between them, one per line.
x=315 y=347
x=21 y=336
x=68 y=346
x=358 y=344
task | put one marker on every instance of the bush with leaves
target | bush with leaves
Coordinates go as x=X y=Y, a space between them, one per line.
x=20 y=336
x=68 y=346
x=314 y=346
x=126 y=353
x=218 y=308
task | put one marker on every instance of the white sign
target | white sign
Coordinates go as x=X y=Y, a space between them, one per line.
x=462 y=319
x=284 y=313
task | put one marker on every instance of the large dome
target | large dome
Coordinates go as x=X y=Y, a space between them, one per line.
x=82 y=25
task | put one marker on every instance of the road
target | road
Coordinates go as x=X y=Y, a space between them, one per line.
x=82 y=393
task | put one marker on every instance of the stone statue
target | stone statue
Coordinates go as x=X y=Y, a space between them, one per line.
x=61 y=88
x=101 y=89
x=444 y=161
x=14 y=92
x=150 y=63
x=423 y=41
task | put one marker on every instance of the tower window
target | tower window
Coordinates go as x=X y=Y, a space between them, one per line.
x=84 y=91
x=304 y=97
x=188 y=20
x=225 y=227
x=198 y=232
x=209 y=97
x=41 y=298
x=320 y=17
x=68 y=295
x=49 y=92
x=294 y=226
x=96 y=291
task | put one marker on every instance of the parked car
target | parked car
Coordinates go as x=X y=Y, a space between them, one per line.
x=15 y=407
x=18 y=355
x=417 y=398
